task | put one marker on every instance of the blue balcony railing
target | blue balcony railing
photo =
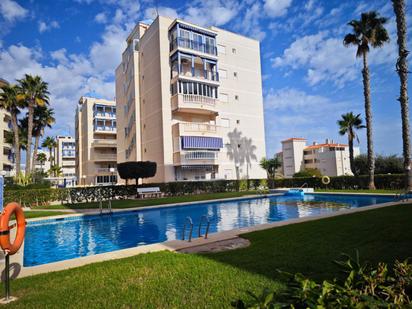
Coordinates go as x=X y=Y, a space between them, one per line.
x=190 y=44
x=104 y=128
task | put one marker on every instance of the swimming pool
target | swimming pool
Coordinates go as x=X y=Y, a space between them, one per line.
x=53 y=240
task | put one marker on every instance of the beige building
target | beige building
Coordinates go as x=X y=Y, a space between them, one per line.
x=65 y=158
x=190 y=99
x=7 y=154
x=95 y=156
x=331 y=159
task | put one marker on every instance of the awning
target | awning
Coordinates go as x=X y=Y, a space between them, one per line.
x=201 y=142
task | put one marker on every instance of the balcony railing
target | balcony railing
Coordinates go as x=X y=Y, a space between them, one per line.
x=105 y=129
x=195 y=157
x=104 y=143
x=198 y=127
x=190 y=44
x=104 y=114
x=104 y=157
x=194 y=103
x=106 y=170
x=200 y=155
x=194 y=98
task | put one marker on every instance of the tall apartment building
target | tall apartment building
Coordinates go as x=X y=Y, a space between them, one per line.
x=331 y=159
x=95 y=154
x=43 y=166
x=190 y=99
x=65 y=158
x=6 y=156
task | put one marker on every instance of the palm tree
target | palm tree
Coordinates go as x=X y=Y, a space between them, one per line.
x=34 y=92
x=402 y=69
x=41 y=157
x=9 y=102
x=43 y=117
x=270 y=165
x=49 y=143
x=369 y=30
x=55 y=170
x=348 y=125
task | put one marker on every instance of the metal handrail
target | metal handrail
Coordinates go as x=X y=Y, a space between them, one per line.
x=207 y=226
x=304 y=185
x=188 y=219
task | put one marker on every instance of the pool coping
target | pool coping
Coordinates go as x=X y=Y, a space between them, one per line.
x=175 y=245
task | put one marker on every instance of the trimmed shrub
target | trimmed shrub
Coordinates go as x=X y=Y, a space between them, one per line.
x=394 y=182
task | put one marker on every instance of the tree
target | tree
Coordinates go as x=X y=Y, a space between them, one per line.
x=402 y=69
x=384 y=164
x=43 y=117
x=41 y=157
x=369 y=30
x=34 y=92
x=9 y=102
x=308 y=172
x=348 y=125
x=270 y=165
x=49 y=143
x=136 y=170
x=55 y=170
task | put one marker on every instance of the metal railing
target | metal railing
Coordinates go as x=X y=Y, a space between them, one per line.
x=190 y=44
x=207 y=226
x=190 y=221
x=200 y=155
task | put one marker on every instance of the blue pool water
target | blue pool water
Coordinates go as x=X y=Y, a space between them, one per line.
x=52 y=240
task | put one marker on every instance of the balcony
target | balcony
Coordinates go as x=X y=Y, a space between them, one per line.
x=104 y=129
x=196 y=158
x=192 y=103
x=106 y=170
x=104 y=115
x=104 y=157
x=104 y=143
x=196 y=129
x=193 y=45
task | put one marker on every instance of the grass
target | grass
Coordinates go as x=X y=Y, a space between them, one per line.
x=38 y=214
x=389 y=191
x=154 y=201
x=171 y=280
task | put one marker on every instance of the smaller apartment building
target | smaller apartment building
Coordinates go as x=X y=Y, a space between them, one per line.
x=331 y=159
x=96 y=150
x=65 y=158
x=6 y=150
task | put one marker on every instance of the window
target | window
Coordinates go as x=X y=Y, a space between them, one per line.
x=223 y=97
x=233 y=50
x=235 y=75
x=236 y=97
x=238 y=121
x=221 y=49
x=222 y=73
x=225 y=122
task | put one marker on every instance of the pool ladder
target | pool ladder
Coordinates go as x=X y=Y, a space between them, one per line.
x=109 y=206
x=189 y=223
x=402 y=197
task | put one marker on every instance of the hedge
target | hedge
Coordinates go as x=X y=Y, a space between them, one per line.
x=38 y=197
x=395 y=182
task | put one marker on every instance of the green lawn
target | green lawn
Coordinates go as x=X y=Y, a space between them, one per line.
x=172 y=280
x=361 y=191
x=37 y=214
x=153 y=201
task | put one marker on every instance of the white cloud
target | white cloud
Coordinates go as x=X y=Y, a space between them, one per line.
x=43 y=26
x=276 y=8
x=11 y=10
x=152 y=12
x=101 y=18
x=212 y=13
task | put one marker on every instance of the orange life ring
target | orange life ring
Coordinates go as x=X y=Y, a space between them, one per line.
x=8 y=211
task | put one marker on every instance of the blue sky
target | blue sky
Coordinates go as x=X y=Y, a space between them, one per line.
x=309 y=78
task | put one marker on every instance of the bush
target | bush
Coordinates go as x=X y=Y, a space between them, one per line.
x=394 y=182
x=308 y=172
x=364 y=287
x=34 y=197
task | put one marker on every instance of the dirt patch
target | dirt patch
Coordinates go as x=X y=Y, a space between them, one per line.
x=218 y=246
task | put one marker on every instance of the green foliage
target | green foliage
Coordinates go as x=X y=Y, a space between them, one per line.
x=383 y=165
x=23 y=179
x=394 y=182
x=263 y=187
x=364 y=287
x=270 y=165
x=243 y=186
x=308 y=172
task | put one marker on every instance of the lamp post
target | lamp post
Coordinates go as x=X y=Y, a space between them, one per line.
x=112 y=170
x=84 y=180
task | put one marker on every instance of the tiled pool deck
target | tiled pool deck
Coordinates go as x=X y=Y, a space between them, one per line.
x=173 y=245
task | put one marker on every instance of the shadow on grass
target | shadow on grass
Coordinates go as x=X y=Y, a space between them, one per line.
x=381 y=235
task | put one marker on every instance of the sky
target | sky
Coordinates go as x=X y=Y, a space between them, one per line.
x=309 y=78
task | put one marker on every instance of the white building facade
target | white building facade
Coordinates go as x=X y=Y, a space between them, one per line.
x=190 y=99
x=331 y=159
